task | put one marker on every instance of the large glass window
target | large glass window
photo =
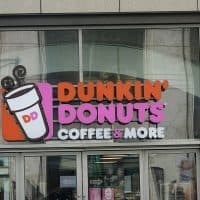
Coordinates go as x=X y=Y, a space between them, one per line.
x=50 y=178
x=47 y=55
x=115 y=54
x=61 y=50
x=172 y=176
x=7 y=178
x=153 y=54
x=61 y=177
x=113 y=177
x=34 y=178
x=21 y=48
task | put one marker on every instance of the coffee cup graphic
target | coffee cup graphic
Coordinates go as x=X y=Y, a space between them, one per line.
x=24 y=102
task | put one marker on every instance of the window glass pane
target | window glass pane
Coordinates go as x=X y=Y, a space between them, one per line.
x=61 y=49
x=172 y=176
x=47 y=55
x=125 y=54
x=61 y=177
x=173 y=54
x=113 y=177
x=34 y=178
x=51 y=177
x=21 y=48
x=153 y=54
x=7 y=178
x=110 y=54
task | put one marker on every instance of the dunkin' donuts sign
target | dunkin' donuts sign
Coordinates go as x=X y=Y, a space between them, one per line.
x=27 y=109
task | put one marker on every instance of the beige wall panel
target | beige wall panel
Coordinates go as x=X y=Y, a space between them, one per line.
x=198 y=5
x=78 y=6
x=157 y=5
x=19 y=6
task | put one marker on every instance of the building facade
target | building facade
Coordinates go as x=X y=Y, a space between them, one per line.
x=100 y=100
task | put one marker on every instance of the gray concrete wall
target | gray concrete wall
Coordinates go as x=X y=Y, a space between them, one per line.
x=92 y=6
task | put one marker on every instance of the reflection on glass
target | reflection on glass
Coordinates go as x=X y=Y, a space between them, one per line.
x=172 y=176
x=21 y=48
x=50 y=178
x=116 y=54
x=61 y=177
x=113 y=177
x=7 y=178
x=113 y=54
x=47 y=55
x=34 y=178
x=153 y=54
x=61 y=49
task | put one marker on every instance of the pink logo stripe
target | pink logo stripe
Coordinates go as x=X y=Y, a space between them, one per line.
x=47 y=104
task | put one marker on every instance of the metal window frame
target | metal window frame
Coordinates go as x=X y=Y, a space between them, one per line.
x=100 y=19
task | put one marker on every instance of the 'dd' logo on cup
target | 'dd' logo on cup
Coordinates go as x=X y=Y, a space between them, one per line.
x=27 y=108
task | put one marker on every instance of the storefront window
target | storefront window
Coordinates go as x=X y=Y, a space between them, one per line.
x=172 y=176
x=50 y=178
x=61 y=50
x=61 y=177
x=34 y=178
x=21 y=48
x=47 y=55
x=113 y=177
x=7 y=178
x=151 y=54
x=115 y=54
x=173 y=54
